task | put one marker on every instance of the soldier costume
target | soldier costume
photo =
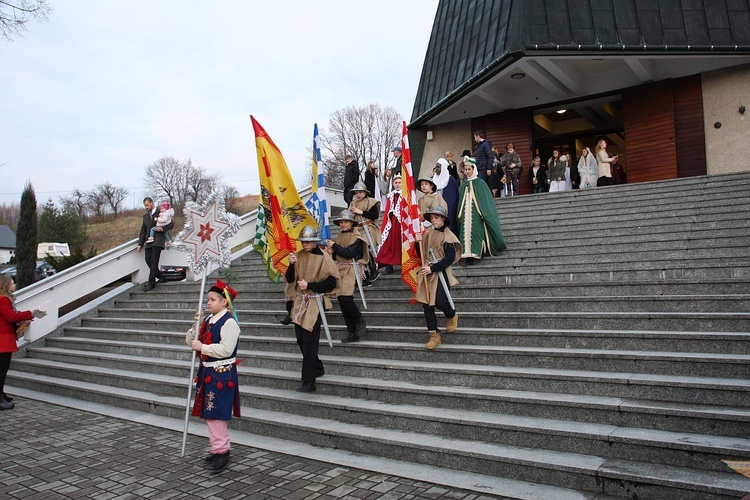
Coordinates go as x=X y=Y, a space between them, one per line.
x=321 y=274
x=430 y=292
x=351 y=255
x=370 y=208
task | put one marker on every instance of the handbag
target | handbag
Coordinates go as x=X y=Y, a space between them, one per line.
x=21 y=328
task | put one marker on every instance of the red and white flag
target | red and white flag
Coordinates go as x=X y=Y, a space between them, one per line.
x=411 y=220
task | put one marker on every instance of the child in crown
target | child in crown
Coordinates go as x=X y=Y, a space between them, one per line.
x=217 y=395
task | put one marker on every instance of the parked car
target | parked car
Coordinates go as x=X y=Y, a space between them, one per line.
x=10 y=271
x=44 y=270
x=174 y=273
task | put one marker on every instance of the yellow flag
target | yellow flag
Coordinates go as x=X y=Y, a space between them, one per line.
x=280 y=210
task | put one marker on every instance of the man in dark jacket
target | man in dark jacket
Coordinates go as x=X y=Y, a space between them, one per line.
x=484 y=155
x=351 y=177
x=153 y=250
x=396 y=168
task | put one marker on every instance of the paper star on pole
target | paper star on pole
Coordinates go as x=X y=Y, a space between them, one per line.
x=206 y=234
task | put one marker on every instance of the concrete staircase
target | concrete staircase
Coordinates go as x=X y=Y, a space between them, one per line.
x=605 y=354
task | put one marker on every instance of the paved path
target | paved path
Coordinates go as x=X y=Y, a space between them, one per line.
x=49 y=451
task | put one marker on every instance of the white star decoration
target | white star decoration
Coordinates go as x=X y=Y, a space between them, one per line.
x=206 y=234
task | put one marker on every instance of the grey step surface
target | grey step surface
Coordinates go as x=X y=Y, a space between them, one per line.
x=676 y=448
x=605 y=350
x=719 y=321
x=669 y=416
x=662 y=387
x=566 y=469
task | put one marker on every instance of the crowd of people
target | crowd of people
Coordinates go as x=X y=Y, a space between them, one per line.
x=502 y=169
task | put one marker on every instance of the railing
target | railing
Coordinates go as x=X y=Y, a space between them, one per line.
x=63 y=288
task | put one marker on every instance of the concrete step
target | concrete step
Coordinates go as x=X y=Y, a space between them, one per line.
x=640 y=340
x=675 y=448
x=565 y=469
x=184 y=295
x=640 y=303
x=603 y=360
x=671 y=321
x=661 y=387
x=693 y=418
x=456 y=350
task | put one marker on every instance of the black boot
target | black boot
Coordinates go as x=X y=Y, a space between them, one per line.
x=286 y=321
x=219 y=462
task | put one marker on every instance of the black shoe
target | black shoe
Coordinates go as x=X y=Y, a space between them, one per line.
x=286 y=321
x=361 y=328
x=375 y=275
x=388 y=270
x=367 y=284
x=320 y=372
x=148 y=287
x=219 y=463
x=209 y=458
x=470 y=261
x=306 y=388
x=350 y=338
x=7 y=405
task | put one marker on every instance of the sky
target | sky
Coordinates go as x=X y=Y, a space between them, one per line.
x=105 y=88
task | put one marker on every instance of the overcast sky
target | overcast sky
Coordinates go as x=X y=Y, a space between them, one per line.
x=105 y=88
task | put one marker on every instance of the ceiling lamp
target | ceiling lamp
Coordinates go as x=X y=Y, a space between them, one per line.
x=518 y=76
x=561 y=111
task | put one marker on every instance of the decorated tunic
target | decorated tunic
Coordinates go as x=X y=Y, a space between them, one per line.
x=390 y=250
x=429 y=200
x=479 y=225
x=313 y=267
x=217 y=394
x=436 y=240
x=344 y=250
x=368 y=205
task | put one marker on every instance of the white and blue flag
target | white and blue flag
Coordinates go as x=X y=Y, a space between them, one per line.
x=317 y=205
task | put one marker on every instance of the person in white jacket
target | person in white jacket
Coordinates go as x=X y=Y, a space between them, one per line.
x=588 y=169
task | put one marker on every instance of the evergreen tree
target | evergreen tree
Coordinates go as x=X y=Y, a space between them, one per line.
x=64 y=226
x=26 y=238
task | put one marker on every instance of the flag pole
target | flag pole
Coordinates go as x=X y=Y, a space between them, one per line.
x=196 y=330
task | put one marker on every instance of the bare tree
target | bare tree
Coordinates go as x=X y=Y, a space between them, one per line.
x=366 y=132
x=15 y=14
x=76 y=203
x=230 y=195
x=165 y=178
x=199 y=184
x=112 y=196
x=10 y=214
x=95 y=202
x=180 y=181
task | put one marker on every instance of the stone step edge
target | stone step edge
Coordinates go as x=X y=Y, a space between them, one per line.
x=655 y=315
x=573 y=352
x=693 y=410
x=580 y=375
x=479 y=483
x=515 y=298
x=701 y=443
x=694 y=479
x=638 y=334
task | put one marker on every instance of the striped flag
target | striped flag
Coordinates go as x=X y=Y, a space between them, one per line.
x=411 y=222
x=281 y=213
x=317 y=204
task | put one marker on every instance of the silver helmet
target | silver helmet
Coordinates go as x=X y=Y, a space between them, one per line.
x=345 y=215
x=360 y=186
x=308 y=233
x=437 y=210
